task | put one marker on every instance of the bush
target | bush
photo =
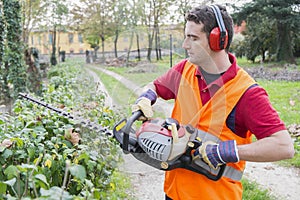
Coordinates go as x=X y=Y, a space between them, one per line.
x=37 y=159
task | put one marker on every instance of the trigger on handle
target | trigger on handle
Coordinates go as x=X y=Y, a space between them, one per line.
x=174 y=132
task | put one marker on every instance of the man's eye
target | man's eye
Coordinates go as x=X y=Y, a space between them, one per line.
x=193 y=38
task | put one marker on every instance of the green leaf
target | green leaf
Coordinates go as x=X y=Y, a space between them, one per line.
x=3 y=187
x=84 y=156
x=17 y=109
x=18 y=141
x=2 y=148
x=31 y=152
x=40 y=129
x=11 y=172
x=78 y=171
x=89 y=183
x=55 y=193
x=7 y=153
x=42 y=178
x=97 y=194
x=26 y=167
x=11 y=182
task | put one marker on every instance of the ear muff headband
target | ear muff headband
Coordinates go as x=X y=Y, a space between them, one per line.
x=218 y=38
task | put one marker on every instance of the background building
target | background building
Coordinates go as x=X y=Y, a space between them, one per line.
x=69 y=41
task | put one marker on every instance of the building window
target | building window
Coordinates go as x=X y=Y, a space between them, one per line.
x=32 y=40
x=80 y=39
x=50 y=38
x=39 y=40
x=71 y=38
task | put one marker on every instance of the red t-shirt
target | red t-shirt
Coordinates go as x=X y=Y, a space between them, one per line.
x=253 y=112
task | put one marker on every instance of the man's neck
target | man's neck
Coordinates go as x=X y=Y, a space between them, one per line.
x=217 y=63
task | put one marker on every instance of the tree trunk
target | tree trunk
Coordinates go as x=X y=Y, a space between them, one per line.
x=156 y=43
x=53 y=55
x=129 y=48
x=102 y=45
x=150 y=38
x=116 y=43
x=138 y=47
x=284 y=46
x=159 y=47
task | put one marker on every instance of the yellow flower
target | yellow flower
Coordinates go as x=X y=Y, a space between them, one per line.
x=113 y=186
x=48 y=163
x=106 y=110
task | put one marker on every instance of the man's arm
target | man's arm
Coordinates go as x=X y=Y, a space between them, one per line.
x=149 y=86
x=277 y=146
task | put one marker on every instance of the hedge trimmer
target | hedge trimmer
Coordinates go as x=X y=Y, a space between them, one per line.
x=163 y=144
x=160 y=143
x=84 y=122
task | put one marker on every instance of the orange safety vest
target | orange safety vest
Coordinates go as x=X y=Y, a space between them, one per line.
x=182 y=184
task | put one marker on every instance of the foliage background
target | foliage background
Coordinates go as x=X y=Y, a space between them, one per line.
x=42 y=162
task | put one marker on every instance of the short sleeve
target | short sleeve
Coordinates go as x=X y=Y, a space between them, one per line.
x=255 y=113
x=167 y=84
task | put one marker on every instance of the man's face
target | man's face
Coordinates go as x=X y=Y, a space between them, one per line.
x=196 y=43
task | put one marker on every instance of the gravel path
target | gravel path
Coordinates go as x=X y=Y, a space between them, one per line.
x=147 y=182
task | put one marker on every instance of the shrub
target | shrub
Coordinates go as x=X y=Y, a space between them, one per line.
x=40 y=161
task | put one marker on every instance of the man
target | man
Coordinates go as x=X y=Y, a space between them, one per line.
x=213 y=94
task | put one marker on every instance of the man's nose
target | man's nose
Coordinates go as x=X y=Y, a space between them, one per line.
x=185 y=44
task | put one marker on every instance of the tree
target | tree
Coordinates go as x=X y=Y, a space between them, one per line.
x=258 y=41
x=285 y=14
x=93 y=19
x=13 y=70
x=4 y=90
x=55 y=13
x=154 y=13
x=123 y=18
x=32 y=11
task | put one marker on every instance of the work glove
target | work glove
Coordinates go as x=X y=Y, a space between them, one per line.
x=216 y=155
x=144 y=103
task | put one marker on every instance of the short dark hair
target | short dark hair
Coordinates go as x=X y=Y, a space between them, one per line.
x=205 y=15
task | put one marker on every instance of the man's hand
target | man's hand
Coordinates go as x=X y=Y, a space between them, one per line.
x=144 y=103
x=216 y=155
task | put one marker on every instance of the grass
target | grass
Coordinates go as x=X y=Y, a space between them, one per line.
x=122 y=96
x=141 y=79
x=285 y=98
x=253 y=192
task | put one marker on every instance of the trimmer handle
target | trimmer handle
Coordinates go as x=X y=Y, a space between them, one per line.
x=122 y=130
x=127 y=128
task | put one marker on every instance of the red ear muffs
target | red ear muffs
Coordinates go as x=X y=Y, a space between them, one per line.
x=218 y=37
x=216 y=41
